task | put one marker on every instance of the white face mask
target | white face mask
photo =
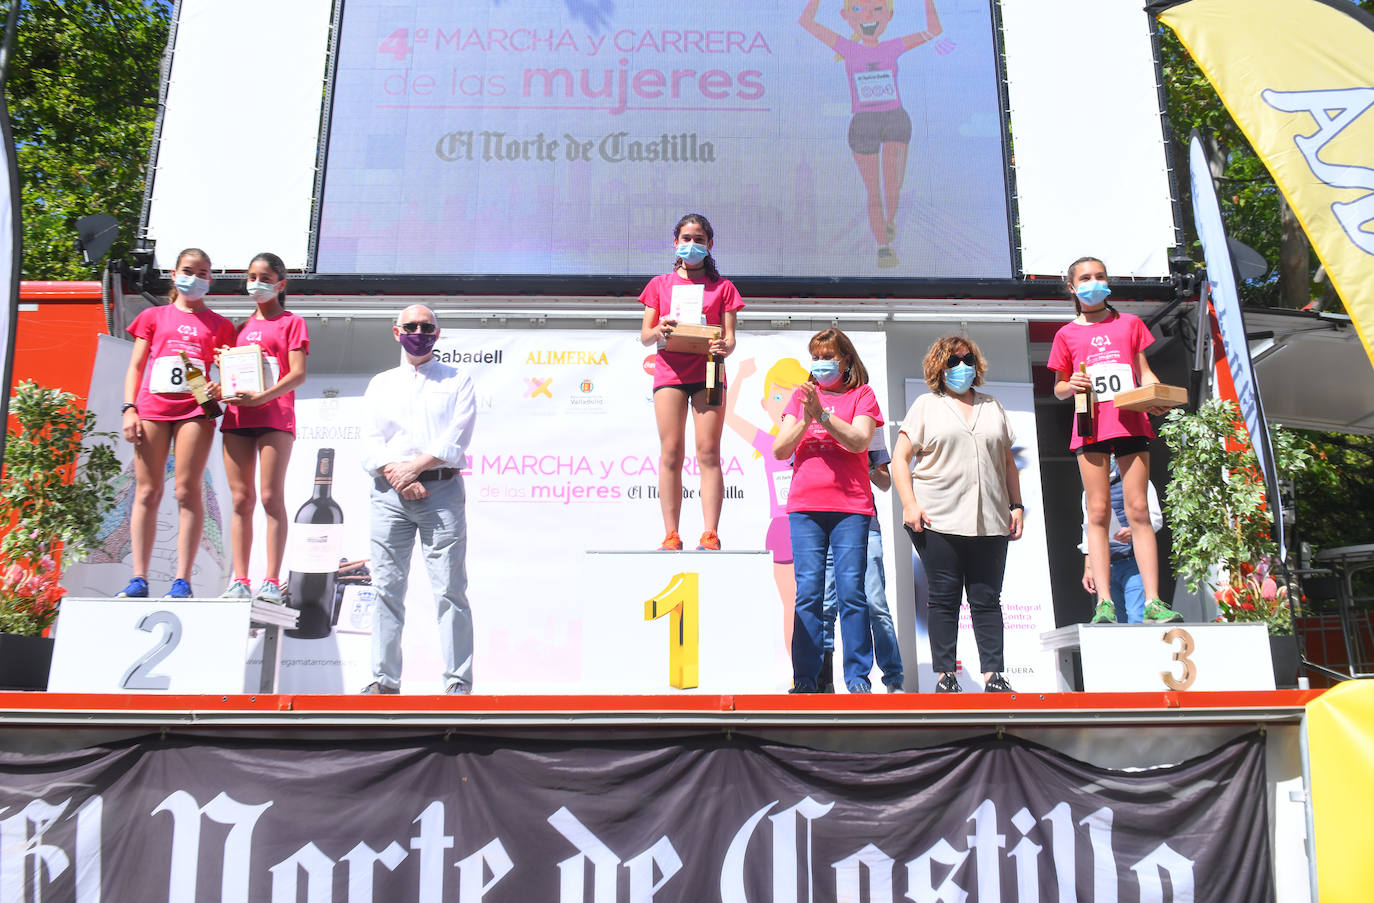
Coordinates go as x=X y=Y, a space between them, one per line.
x=192 y=288
x=261 y=291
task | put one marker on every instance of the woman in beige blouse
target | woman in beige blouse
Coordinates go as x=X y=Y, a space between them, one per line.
x=961 y=505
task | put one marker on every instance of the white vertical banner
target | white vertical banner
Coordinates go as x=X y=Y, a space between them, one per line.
x=1027 y=606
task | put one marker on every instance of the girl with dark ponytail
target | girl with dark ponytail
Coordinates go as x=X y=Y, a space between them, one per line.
x=1104 y=350
x=260 y=427
x=680 y=377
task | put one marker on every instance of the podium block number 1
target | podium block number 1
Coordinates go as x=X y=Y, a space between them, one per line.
x=679 y=600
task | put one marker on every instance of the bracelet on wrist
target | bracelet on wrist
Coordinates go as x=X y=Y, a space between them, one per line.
x=1016 y=506
x=128 y=406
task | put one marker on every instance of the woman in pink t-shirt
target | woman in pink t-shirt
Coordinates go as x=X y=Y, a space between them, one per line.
x=680 y=377
x=880 y=130
x=260 y=427
x=1111 y=347
x=826 y=429
x=161 y=416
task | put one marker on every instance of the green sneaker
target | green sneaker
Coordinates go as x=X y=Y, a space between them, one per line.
x=1105 y=613
x=1156 y=610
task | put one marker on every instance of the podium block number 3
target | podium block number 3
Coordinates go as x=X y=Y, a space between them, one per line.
x=1185 y=649
x=679 y=600
x=140 y=675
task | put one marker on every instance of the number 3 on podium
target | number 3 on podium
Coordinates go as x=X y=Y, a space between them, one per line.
x=679 y=599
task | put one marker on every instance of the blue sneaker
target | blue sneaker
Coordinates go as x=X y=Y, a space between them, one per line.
x=180 y=590
x=137 y=589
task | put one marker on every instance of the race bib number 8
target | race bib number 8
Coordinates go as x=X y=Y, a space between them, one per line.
x=1108 y=379
x=169 y=375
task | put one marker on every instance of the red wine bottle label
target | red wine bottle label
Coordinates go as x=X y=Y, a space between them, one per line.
x=315 y=548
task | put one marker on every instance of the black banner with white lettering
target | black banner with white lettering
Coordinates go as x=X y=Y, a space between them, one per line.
x=715 y=818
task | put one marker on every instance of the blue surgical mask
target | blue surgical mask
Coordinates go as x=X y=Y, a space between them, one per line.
x=958 y=379
x=192 y=288
x=692 y=253
x=1091 y=294
x=826 y=373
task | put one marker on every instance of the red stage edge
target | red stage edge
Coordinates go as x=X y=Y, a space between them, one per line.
x=78 y=710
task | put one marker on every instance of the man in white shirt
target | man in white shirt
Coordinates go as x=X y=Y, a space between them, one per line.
x=419 y=419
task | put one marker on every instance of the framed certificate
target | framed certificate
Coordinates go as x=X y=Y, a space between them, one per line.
x=241 y=370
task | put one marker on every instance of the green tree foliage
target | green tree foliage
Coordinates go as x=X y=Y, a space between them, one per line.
x=1250 y=201
x=82 y=95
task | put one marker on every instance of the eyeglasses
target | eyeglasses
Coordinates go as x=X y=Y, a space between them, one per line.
x=426 y=328
x=956 y=359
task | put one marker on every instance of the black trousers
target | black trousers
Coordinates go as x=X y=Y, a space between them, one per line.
x=956 y=565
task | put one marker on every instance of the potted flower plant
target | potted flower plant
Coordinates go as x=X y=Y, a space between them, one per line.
x=1216 y=508
x=53 y=496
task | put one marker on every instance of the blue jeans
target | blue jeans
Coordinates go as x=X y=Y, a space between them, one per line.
x=885 y=649
x=845 y=536
x=1128 y=591
x=442 y=526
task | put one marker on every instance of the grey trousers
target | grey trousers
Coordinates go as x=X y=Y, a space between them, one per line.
x=441 y=523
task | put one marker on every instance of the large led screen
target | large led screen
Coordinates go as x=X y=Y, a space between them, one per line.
x=548 y=137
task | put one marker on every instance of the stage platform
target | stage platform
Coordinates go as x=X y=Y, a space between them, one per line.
x=480 y=713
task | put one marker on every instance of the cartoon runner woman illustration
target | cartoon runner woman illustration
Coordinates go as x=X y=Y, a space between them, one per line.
x=880 y=132
x=781 y=380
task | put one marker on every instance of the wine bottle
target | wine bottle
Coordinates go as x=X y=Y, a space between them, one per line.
x=195 y=381
x=1085 y=409
x=715 y=381
x=316 y=540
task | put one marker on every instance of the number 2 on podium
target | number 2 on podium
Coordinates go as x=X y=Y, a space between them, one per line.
x=679 y=599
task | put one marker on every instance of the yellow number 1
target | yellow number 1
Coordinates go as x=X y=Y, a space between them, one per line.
x=679 y=598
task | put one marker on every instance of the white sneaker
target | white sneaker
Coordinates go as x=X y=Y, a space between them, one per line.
x=270 y=592
x=238 y=589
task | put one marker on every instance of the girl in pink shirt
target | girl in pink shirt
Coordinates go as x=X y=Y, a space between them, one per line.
x=1111 y=346
x=261 y=427
x=680 y=377
x=161 y=416
x=826 y=429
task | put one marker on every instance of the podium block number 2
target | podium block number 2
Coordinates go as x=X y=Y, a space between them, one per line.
x=679 y=600
x=140 y=675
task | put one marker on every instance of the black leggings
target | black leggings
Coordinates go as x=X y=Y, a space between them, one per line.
x=955 y=565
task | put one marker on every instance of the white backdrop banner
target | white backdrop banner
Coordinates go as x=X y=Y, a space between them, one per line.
x=562 y=488
x=564 y=461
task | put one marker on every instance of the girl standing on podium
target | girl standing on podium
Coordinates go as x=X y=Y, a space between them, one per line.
x=826 y=429
x=680 y=377
x=161 y=416
x=260 y=427
x=1103 y=351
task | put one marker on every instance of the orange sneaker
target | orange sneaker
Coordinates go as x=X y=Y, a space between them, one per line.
x=709 y=542
x=671 y=543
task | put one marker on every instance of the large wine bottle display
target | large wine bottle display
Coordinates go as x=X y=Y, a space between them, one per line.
x=314 y=552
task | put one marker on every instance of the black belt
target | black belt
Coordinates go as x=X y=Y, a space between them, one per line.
x=440 y=473
x=425 y=476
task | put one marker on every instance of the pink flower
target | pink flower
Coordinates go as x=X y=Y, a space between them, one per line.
x=1269 y=590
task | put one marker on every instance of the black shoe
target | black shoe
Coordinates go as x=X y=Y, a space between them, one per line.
x=377 y=688
x=803 y=689
x=825 y=683
x=948 y=684
x=997 y=684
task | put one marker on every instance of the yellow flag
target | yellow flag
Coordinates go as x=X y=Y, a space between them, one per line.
x=1298 y=78
x=1340 y=741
